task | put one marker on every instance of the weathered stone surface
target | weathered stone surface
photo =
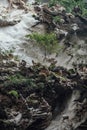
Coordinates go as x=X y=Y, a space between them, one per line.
x=28 y=102
x=20 y=3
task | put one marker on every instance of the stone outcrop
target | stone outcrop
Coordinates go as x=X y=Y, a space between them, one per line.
x=31 y=95
x=20 y=3
x=5 y=22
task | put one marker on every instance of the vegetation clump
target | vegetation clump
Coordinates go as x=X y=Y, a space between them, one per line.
x=71 y=4
x=81 y=5
x=48 y=41
x=14 y=93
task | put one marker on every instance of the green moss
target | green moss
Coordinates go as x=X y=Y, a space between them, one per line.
x=14 y=93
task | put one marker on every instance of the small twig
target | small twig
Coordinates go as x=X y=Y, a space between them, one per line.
x=36 y=24
x=24 y=101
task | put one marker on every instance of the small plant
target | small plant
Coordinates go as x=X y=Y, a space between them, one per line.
x=17 y=79
x=57 y=19
x=14 y=93
x=48 y=41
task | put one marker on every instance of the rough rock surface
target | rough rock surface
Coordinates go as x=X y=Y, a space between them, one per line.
x=72 y=42
x=5 y=22
x=30 y=95
x=19 y=3
x=70 y=29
